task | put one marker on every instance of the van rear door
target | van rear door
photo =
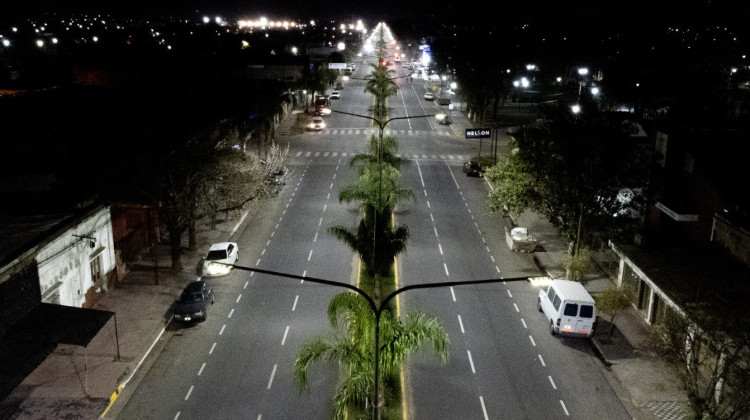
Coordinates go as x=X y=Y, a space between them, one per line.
x=577 y=318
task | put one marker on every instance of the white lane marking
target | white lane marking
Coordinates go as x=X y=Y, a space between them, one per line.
x=331 y=187
x=304 y=274
x=334 y=176
x=246 y=283
x=435 y=229
x=277 y=226
x=177 y=416
x=552 y=382
x=524 y=324
x=498 y=270
x=222 y=329
x=213 y=346
x=432 y=219
x=268 y=242
x=425 y=192
x=257 y=262
x=453 y=294
x=281 y=218
x=296 y=298
x=452 y=176
x=190 y=391
x=273 y=233
x=259 y=416
x=201 y=369
x=461 y=323
x=471 y=362
x=483 y=241
x=440 y=247
x=263 y=252
x=270 y=380
x=309 y=255
x=315 y=239
x=419 y=169
x=230 y=313
x=492 y=258
x=542 y=360
x=320 y=222
x=565 y=409
x=446 y=269
x=533 y=343
x=325 y=206
x=484 y=409
x=286 y=331
x=516 y=306
x=428 y=204
x=487 y=248
x=238 y=298
x=509 y=294
x=328 y=197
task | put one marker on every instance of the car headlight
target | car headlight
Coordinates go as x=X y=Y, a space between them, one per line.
x=215 y=269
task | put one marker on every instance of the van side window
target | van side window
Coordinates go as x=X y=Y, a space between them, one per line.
x=551 y=294
x=571 y=309
x=556 y=303
x=587 y=311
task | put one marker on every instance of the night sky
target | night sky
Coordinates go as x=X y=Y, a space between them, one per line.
x=559 y=13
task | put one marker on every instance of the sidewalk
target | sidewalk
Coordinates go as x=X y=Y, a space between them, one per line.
x=79 y=383
x=74 y=382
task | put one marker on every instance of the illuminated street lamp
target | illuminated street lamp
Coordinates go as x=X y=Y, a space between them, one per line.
x=575 y=108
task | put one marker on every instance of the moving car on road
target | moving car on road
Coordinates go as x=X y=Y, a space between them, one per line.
x=335 y=95
x=220 y=258
x=316 y=124
x=193 y=303
x=429 y=96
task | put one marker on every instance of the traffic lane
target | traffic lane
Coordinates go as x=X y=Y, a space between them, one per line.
x=584 y=386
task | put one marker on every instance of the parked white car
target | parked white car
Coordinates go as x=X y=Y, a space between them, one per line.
x=220 y=258
x=569 y=308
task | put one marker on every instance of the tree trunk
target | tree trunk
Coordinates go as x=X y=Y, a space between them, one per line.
x=175 y=242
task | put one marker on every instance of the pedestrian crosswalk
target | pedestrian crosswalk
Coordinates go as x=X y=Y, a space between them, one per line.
x=347 y=155
x=374 y=131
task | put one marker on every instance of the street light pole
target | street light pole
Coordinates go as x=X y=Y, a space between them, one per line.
x=378 y=308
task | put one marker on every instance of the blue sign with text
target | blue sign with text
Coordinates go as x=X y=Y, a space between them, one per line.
x=477 y=133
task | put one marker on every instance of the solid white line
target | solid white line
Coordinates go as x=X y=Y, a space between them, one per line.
x=509 y=294
x=222 y=329
x=564 y=408
x=484 y=409
x=296 y=298
x=552 y=382
x=471 y=362
x=453 y=294
x=238 y=298
x=270 y=380
x=461 y=323
x=201 y=369
x=213 y=346
x=446 y=269
x=542 y=360
x=516 y=306
x=190 y=391
x=524 y=324
x=532 y=341
x=286 y=331
x=237 y=226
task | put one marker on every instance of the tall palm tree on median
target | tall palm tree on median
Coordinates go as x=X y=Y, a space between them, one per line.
x=353 y=347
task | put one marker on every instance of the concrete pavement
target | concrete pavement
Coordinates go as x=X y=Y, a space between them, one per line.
x=95 y=381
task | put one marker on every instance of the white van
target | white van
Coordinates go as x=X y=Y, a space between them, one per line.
x=569 y=308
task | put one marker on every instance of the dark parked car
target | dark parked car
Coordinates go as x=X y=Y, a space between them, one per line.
x=472 y=168
x=339 y=86
x=193 y=302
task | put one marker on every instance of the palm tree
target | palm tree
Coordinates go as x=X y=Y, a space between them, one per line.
x=388 y=145
x=382 y=87
x=353 y=347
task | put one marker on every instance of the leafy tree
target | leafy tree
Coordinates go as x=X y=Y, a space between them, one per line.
x=612 y=302
x=574 y=170
x=382 y=86
x=712 y=353
x=353 y=347
x=578 y=265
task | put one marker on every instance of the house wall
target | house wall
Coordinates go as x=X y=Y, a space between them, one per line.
x=72 y=272
x=734 y=239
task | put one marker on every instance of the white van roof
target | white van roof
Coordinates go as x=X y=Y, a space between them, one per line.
x=572 y=290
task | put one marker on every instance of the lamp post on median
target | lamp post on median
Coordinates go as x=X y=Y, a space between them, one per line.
x=381 y=129
x=378 y=309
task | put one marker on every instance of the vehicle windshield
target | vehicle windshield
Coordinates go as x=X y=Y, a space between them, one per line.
x=219 y=254
x=188 y=297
